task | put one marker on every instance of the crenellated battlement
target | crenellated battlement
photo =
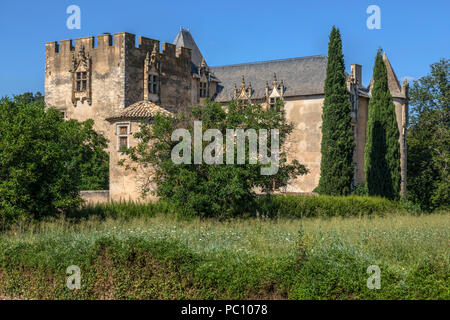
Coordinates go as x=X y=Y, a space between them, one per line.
x=96 y=77
x=122 y=40
x=104 y=41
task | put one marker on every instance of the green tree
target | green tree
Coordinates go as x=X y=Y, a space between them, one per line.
x=382 y=151
x=219 y=190
x=428 y=139
x=337 y=147
x=42 y=159
x=30 y=97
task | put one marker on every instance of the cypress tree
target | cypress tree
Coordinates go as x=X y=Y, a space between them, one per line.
x=336 y=167
x=382 y=151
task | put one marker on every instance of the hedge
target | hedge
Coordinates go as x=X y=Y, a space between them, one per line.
x=297 y=206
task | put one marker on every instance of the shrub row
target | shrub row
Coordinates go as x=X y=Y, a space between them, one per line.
x=297 y=206
x=123 y=210
x=273 y=206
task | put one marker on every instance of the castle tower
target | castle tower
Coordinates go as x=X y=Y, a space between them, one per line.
x=400 y=98
x=204 y=83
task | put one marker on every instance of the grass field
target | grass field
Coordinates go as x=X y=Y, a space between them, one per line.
x=166 y=258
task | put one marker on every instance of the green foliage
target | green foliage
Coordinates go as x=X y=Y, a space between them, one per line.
x=164 y=258
x=382 y=150
x=123 y=210
x=270 y=206
x=223 y=190
x=428 y=139
x=297 y=206
x=360 y=190
x=337 y=146
x=29 y=97
x=43 y=159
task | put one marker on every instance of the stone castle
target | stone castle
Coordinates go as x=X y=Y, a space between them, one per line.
x=119 y=83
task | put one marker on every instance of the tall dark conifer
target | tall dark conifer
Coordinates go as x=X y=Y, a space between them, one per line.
x=336 y=167
x=382 y=151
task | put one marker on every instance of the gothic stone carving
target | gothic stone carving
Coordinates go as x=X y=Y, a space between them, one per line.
x=81 y=77
x=152 y=73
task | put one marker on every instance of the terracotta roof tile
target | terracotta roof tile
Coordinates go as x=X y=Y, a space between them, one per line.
x=140 y=110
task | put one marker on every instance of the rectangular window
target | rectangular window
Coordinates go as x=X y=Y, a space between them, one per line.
x=203 y=89
x=123 y=130
x=272 y=103
x=123 y=143
x=153 y=84
x=81 y=81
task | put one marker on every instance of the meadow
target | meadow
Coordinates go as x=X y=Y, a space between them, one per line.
x=160 y=256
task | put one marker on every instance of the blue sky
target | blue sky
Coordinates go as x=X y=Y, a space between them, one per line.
x=414 y=34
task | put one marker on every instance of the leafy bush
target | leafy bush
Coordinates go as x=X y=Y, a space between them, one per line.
x=211 y=190
x=428 y=139
x=360 y=190
x=271 y=206
x=297 y=206
x=43 y=159
x=161 y=258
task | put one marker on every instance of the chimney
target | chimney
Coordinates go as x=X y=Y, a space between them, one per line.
x=356 y=71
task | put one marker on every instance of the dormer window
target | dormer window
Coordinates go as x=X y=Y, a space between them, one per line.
x=153 y=84
x=273 y=102
x=274 y=93
x=203 y=89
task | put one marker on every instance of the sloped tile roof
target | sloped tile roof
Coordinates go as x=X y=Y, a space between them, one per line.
x=301 y=76
x=185 y=39
x=140 y=110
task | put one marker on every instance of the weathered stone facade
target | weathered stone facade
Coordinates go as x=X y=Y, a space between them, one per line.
x=106 y=81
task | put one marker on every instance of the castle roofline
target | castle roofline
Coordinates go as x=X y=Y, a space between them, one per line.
x=270 y=61
x=301 y=76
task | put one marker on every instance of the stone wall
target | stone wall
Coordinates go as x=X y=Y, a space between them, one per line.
x=304 y=142
x=360 y=138
x=107 y=78
x=126 y=185
x=117 y=81
x=95 y=196
x=401 y=112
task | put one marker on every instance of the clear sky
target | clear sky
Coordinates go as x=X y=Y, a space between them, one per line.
x=413 y=33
